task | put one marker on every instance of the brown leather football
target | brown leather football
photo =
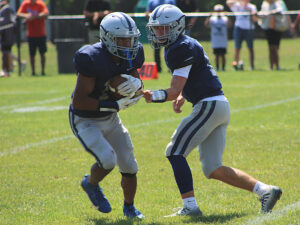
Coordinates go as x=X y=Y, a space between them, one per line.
x=116 y=81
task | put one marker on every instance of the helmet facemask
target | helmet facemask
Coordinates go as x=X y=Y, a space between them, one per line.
x=123 y=52
x=165 y=26
x=110 y=35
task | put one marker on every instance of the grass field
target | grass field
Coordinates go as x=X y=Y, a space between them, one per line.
x=42 y=164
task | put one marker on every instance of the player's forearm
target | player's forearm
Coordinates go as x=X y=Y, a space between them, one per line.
x=173 y=93
x=85 y=103
x=91 y=104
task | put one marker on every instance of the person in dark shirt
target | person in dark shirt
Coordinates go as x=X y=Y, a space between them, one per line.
x=188 y=6
x=93 y=113
x=194 y=79
x=94 y=11
x=7 y=35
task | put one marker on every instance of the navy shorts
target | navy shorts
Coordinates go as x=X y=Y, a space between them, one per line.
x=273 y=37
x=242 y=34
x=37 y=42
x=220 y=51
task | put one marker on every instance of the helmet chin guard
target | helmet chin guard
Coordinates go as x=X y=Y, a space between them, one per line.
x=119 y=25
x=171 y=22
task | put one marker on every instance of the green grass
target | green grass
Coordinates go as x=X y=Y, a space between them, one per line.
x=40 y=174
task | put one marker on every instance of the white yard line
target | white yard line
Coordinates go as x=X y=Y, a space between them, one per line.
x=54 y=140
x=271 y=85
x=14 y=107
x=39 y=109
x=275 y=215
x=30 y=92
x=36 y=144
x=267 y=104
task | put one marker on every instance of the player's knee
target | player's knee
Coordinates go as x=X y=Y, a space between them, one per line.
x=108 y=161
x=208 y=168
x=128 y=165
x=131 y=168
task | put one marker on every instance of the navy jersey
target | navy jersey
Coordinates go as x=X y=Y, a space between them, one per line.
x=202 y=81
x=95 y=61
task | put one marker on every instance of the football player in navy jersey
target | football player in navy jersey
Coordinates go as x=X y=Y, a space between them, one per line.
x=93 y=113
x=194 y=79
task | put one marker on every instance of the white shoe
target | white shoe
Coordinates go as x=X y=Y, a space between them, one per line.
x=187 y=212
x=269 y=199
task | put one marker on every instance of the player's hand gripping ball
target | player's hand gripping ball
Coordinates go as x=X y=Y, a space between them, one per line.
x=124 y=85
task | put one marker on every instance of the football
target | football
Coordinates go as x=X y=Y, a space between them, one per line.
x=116 y=81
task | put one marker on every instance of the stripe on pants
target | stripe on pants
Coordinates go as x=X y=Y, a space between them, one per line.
x=187 y=141
x=75 y=131
x=187 y=126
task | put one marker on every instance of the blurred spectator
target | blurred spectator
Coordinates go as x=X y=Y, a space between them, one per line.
x=14 y=60
x=296 y=22
x=274 y=24
x=152 y=4
x=188 y=6
x=288 y=17
x=35 y=13
x=218 y=34
x=243 y=30
x=7 y=34
x=94 y=11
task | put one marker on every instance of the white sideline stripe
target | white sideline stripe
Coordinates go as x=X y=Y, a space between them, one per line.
x=45 y=142
x=53 y=140
x=274 y=215
x=34 y=103
x=267 y=104
x=248 y=86
x=39 y=108
x=29 y=92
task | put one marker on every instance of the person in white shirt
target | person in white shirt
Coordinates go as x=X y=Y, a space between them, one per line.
x=218 y=34
x=243 y=29
x=274 y=24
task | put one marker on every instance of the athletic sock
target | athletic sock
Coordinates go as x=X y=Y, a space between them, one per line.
x=260 y=188
x=189 y=202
